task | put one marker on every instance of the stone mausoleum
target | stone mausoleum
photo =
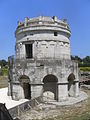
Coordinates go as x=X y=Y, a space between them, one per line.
x=42 y=64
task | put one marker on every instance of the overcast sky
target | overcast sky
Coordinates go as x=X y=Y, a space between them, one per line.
x=77 y=13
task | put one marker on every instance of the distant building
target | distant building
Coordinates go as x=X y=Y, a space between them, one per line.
x=42 y=62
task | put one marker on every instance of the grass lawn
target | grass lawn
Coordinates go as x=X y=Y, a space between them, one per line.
x=84 y=116
x=85 y=69
x=3 y=81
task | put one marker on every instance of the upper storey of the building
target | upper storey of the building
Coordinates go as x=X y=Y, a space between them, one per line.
x=42 y=25
x=42 y=38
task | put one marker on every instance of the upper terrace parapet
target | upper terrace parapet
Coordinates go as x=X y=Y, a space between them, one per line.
x=43 y=21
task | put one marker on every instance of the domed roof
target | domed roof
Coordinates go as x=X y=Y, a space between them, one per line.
x=43 y=18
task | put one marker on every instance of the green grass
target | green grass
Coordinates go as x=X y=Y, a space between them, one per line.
x=3 y=81
x=85 y=116
x=85 y=68
x=4 y=71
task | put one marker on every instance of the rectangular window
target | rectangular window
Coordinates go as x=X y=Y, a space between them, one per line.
x=29 y=50
x=55 y=33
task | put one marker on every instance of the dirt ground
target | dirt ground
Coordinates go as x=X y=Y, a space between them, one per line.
x=80 y=111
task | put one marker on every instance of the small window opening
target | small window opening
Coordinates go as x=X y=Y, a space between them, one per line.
x=43 y=44
x=55 y=33
x=52 y=44
x=41 y=65
x=31 y=34
x=29 y=50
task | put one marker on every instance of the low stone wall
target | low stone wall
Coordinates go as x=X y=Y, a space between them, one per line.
x=17 y=110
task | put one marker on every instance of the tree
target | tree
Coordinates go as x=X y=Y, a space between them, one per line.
x=86 y=59
x=76 y=58
x=3 y=63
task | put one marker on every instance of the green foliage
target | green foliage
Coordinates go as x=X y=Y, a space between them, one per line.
x=3 y=63
x=85 y=68
x=4 y=68
x=76 y=58
x=82 y=62
x=84 y=65
x=5 y=71
x=86 y=59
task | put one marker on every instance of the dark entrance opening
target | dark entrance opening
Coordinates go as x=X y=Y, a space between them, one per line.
x=29 y=50
x=27 y=90
x=50 y=84
x=25 y=82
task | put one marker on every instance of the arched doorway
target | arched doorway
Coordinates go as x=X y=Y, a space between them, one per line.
x=71 y=79
x=25 y=82
x=50 y=85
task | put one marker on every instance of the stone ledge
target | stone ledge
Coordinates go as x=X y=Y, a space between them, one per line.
x=71 y=100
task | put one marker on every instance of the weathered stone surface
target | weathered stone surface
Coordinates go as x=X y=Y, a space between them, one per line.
x=42 y=60
x=58 y=111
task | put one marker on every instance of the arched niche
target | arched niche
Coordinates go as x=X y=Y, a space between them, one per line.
x=50 y=86
x=71 y=85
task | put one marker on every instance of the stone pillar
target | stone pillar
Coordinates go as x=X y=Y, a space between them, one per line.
x=36 y=91
x=62 y=91
x=26 y=21
x=9 y=89
x=72 y=90
x=22 y=50
x=18 y=92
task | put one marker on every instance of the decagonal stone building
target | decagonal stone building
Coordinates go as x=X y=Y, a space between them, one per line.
x=42 y=63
